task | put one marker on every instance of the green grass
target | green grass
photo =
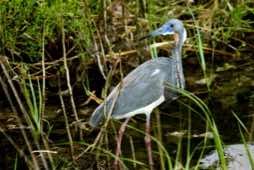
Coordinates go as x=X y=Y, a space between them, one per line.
x=23 y=22
x=33 y=102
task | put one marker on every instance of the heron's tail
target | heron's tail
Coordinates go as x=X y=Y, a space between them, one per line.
x=97 y=117
x=100 y=113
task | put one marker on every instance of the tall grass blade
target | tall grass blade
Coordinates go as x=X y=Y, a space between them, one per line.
x=209 y=120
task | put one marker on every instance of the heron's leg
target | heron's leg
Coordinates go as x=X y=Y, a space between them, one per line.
x=119 y=141
x=148 y=141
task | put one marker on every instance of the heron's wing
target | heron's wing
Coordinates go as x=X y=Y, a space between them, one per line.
x=144 y=89
x=141 y=87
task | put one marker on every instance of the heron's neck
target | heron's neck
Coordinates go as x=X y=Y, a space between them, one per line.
x=177 y=57
x=177 y=52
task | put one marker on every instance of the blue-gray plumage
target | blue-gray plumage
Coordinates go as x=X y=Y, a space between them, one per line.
x=145 y=87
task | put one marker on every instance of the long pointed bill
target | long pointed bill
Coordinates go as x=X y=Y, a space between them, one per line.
x=163 y=30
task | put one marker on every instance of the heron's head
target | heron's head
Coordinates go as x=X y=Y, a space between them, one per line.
x=172 y=27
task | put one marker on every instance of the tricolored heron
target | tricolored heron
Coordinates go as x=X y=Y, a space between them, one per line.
x=145 y=87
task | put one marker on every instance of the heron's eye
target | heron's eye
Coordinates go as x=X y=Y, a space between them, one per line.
x=171 y=25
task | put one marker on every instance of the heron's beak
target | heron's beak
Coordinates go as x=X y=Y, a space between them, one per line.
x=163 y=30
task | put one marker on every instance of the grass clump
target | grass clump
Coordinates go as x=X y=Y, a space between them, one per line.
x=23 y=22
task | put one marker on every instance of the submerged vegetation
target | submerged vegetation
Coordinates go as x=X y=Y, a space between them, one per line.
x=60 y=58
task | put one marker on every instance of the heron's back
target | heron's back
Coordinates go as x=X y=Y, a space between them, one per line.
x=140 y=88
